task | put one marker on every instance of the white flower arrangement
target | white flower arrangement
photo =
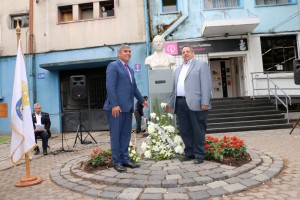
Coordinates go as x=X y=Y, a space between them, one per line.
x=134 y=155
x=163 y=141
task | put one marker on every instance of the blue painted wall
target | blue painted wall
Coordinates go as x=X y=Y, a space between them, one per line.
x=48 y=89
x=270 y=16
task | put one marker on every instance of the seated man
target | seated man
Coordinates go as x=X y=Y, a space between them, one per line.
x=41 y=125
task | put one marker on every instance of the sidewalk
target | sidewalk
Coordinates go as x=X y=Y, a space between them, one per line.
x=277 y=143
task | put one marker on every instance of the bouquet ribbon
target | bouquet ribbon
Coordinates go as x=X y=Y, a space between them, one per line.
x=163 y=133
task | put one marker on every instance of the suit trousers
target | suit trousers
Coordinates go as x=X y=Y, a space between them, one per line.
x=44 y=136
x=138 y=119
x=192 y=128
x=120 y=133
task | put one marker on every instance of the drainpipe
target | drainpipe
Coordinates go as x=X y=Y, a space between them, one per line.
x=1 y=97
x=31 y=51
x=147 y=27
x=185 y=14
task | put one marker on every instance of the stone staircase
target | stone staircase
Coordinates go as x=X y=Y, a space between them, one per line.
x=244 y=114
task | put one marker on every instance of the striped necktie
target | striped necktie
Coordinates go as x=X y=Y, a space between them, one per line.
x=127 y=68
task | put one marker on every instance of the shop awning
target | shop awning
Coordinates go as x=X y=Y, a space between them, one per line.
x=226 y=27
x=78 y=64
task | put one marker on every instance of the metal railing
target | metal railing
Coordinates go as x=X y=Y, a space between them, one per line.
x=272 y=91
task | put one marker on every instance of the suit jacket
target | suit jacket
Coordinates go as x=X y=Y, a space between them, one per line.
x=45 y=119
x=120 y=90
x=197 y=86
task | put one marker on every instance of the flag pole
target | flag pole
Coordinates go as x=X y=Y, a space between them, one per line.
x=28 y=180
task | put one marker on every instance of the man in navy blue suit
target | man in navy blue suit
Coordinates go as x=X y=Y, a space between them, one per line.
x=121 y=90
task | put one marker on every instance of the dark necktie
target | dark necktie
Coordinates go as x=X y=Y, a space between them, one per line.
x=126 y=67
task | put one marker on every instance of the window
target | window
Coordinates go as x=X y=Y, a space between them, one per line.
x=23 y=21
x=278 y=52
x=169 y=5
x=274 y=2
x=210 y=4
x=65 y=14
x=86 y=11
x=107 y=8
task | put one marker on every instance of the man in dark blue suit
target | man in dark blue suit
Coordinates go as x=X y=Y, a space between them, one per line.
x=121 y=90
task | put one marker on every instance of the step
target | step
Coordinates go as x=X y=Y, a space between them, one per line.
x=245 y=118
x=238 y=101
x=249 y=128
x=241 y=105
x=246 y=123
x=240 y=114
x=231 y=110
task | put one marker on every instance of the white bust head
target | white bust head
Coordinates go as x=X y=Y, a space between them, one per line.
x=159 y=59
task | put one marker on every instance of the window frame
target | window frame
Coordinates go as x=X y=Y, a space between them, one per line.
x=291 y=2
x=85 y=6
x=101 y=11
x=21 y=17
x=62 y=10
x=169 y=12
x=239 y=2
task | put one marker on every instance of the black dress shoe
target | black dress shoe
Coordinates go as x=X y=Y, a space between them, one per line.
x=36 y=151
x=198 y=161
x=186 y=158
x=45 y=152
x=131 y=165
x=120 y=168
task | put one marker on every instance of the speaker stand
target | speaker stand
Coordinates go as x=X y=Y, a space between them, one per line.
x=79 y=133
x=62 y=149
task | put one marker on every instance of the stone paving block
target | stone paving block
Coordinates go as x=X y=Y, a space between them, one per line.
x=139 y=177
x=108 y=194
x=110 y=173
x=227 y=167
x=155 y=184
x=98 y=178
x=68 y=176
x=246 y=175
x=124 y=175
x=142 y=171
x=189 y=174
x=169 y=183
x=138 y=183
x=97 y=186
x=217 y=192
x=70 y=185
x=177 y=171
x=155 y=190
x=235 y=187
x=203 y=180
x=177 y=190
x=130 y=193
x=163 y=162
x=205 y=172
x=274 y=169
x=249 y=182
x=261 y=177
x=113 y=189
x=256 y=171
x=171 y=168
x=75 y=180
x=193 y=169
x=155 y=168
x=151 y=196
x=198 y=188
x=219 y=170
x=199 y=195
x=174 y=164
x=125 y=182
x=61 y=182
x=186 y=182
x=233 y=180
x=177 y=196
x=111 y=181
x=174 y=176
x=88 y=176
x=80 y=188
x=92 y=192
x=147 y=161
x=270 y=174
x=218 y=176
x=86 y=183
x=157 y=177
x=159 y=172
x=217 y=184
x=210 y=165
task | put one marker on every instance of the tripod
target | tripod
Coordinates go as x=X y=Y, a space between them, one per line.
x=297 y=123
x=79 y=133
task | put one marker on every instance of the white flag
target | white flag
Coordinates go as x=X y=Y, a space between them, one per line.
x=22 y=140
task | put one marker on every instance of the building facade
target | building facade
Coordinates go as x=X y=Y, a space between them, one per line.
x=238 y=38
x=70 y=38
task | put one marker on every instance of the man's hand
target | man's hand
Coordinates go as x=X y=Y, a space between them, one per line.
x=168 y=108
x=35 y=130
x=145 y=104
x=204 y=107
x=116 y=111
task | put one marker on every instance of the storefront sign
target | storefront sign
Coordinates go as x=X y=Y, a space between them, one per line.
x=208 y=46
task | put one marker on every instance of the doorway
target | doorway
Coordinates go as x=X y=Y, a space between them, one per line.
x=227 y=77
x=93 y=117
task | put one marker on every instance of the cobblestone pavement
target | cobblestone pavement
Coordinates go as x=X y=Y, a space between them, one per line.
x=277 y=144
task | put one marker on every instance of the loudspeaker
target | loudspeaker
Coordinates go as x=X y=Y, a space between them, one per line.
x=296 y=66
x=78 y=87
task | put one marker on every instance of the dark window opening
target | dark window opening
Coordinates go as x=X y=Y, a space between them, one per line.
x=210 y=4
x=65 y=14
x=86 y=11
x=169 y=5
x=23 y=21
x=278 y=52
x=107 y=8
x=274 y=2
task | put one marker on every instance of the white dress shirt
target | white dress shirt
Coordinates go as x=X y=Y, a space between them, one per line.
x=38 y=118
x=181 y=78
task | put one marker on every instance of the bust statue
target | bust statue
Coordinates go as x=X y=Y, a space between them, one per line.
x=159 y=59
